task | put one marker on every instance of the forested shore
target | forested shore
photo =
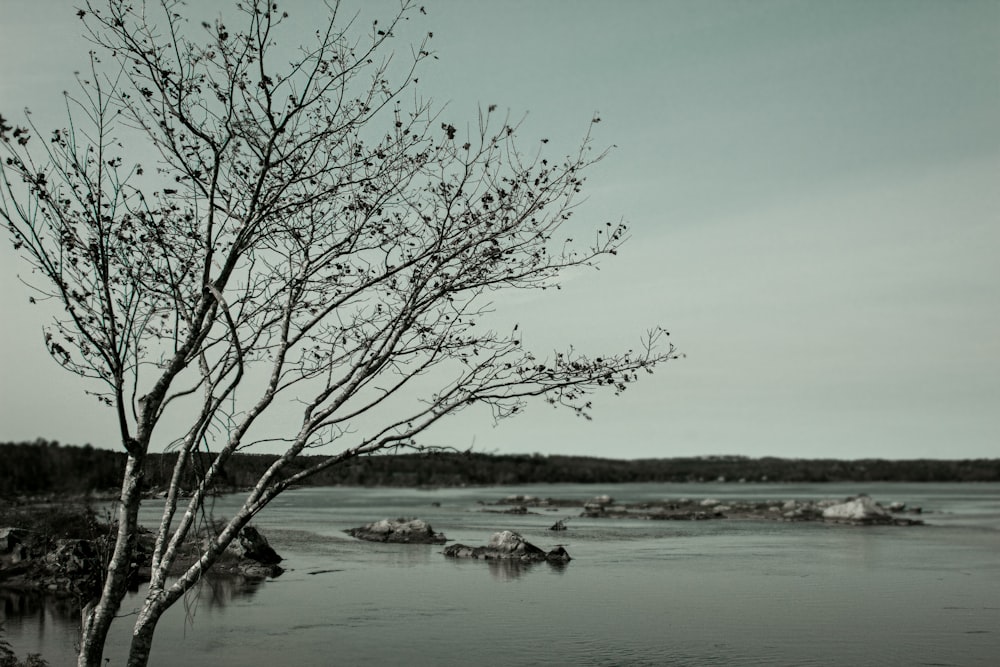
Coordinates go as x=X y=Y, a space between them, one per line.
x=44 y=467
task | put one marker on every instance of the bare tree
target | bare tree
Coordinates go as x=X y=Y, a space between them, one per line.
x=228 y=227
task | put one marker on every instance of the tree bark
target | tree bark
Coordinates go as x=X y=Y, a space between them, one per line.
x=142 y=633
x=159 y=599
x=97 y=618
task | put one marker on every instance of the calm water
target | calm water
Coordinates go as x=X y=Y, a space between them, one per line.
x=636 y=593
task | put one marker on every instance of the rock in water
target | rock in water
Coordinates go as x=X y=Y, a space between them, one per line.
x=507 y=545
x=256 y=547
x=861 y=509
x=512 y=545
x=404 y=531
x=558 y=554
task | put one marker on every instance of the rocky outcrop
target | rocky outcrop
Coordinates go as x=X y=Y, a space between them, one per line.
x=401 y=531
x=31 y=561
x=256 y=547
x=508 y=545
x=35 y=561
x=862 y=510
x=256 y=558
x=688 y=509
x=249 y=555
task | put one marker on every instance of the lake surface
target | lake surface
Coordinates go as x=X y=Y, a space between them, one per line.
x=719 y=592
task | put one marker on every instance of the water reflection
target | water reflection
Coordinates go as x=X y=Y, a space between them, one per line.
x=509 y=570
x=219 y=591
x=36 y=622
x=20 y=605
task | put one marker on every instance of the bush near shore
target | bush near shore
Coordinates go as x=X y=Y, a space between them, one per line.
x=44 y=467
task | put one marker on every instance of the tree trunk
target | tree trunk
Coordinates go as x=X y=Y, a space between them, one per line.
x=142 y=634
x=97 y=618
x=159 y=599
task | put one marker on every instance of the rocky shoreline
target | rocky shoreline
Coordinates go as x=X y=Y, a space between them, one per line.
x=63 y=551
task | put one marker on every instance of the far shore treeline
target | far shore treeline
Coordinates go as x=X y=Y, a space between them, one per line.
x=44 y=467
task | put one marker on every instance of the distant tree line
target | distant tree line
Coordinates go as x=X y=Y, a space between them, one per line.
x=44 y=467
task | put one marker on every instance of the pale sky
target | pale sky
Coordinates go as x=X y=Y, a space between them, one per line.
x=813 y=190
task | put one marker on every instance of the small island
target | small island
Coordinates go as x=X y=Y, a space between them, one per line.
x=855 y=510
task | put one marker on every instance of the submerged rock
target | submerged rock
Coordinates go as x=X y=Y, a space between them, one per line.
x=507 y=545
x=521 y=500
x=251 y=569
x=404 y=531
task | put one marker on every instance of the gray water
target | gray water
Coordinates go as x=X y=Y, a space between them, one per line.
x=637 y=592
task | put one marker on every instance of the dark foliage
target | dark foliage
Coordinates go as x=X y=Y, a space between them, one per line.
x=42 y=467
x=55 y=521
x=48 y=468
